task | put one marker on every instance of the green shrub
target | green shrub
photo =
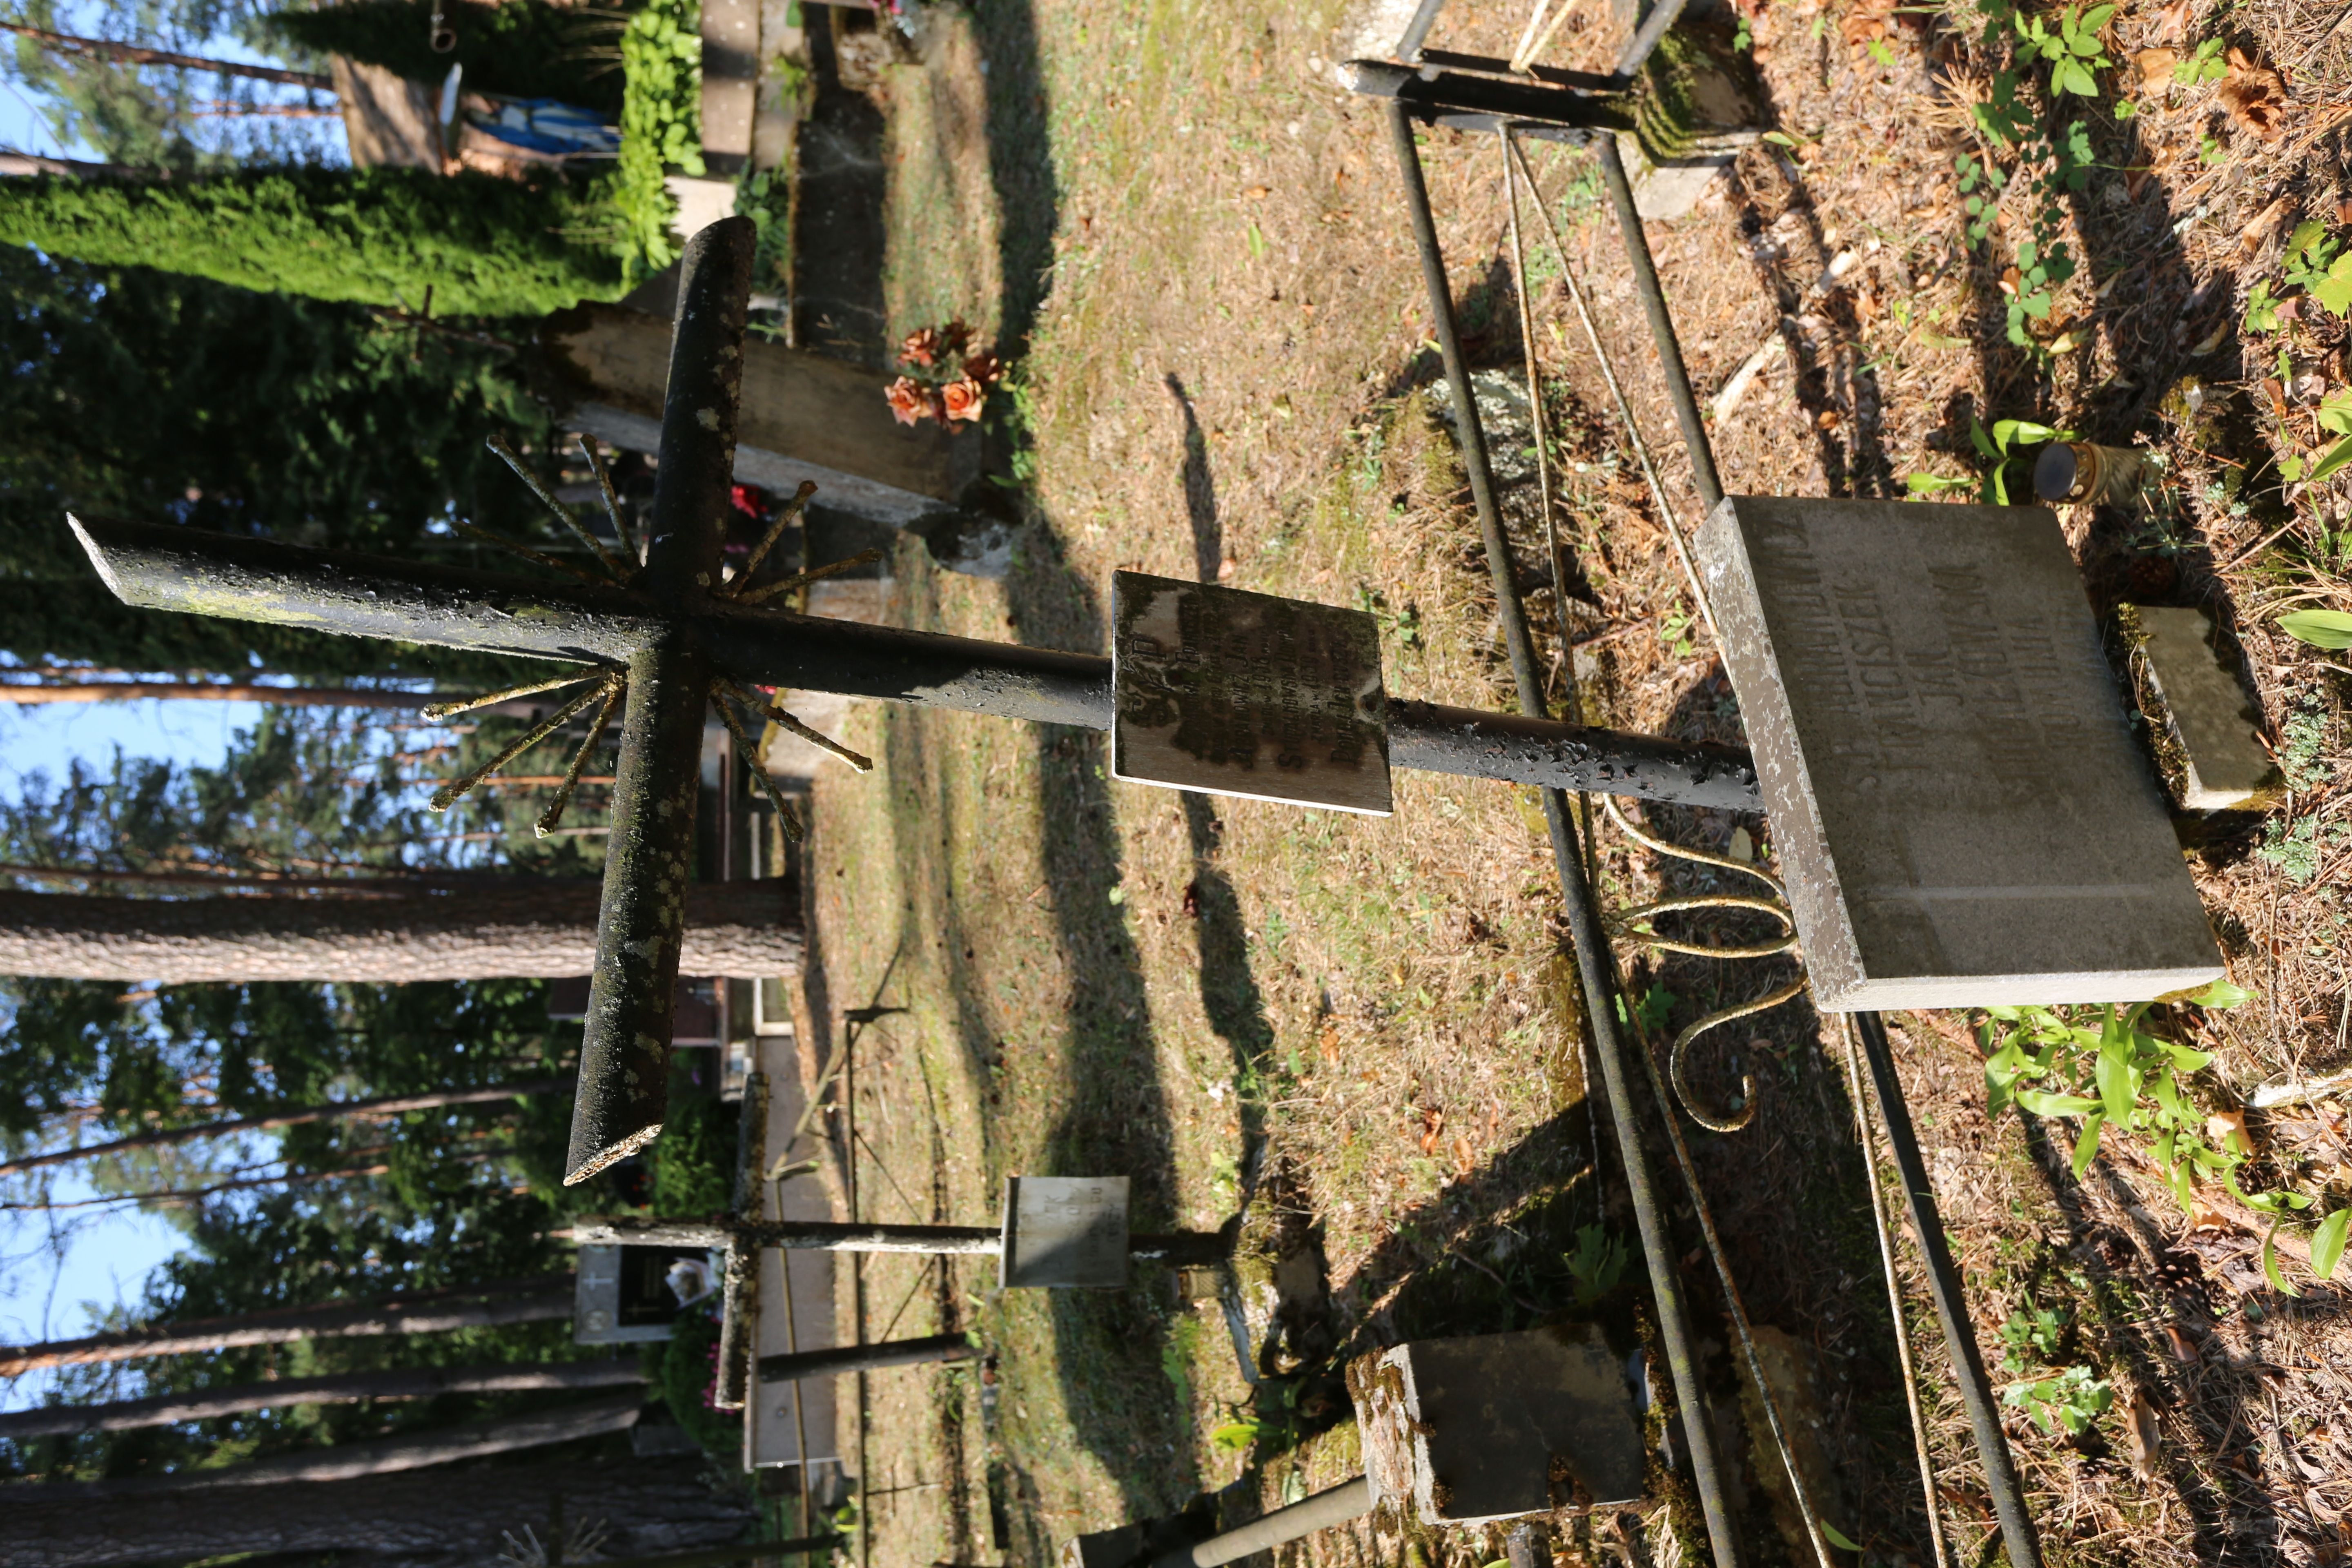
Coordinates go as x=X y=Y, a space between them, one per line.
x=523 y=48
x=380 y=237
x=694 y=1161
x=661 y=122
x=687 y=1369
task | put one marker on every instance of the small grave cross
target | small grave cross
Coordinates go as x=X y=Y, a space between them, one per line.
x=1058 y=1232
x=664 y=638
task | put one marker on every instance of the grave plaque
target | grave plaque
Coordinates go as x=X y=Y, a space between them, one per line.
x=1239 y=693
x=624 y=1295
x=1962 y=813
x=1064 y=1231
x=1470 y=1431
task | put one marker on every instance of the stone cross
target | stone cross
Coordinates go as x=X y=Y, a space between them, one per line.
x=662 y=640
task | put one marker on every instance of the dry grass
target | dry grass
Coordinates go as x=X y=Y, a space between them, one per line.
x=1361 y=1025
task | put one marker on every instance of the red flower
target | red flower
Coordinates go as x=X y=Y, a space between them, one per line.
x=922 y=349
x=962 y=398
x=984 y=368
x=910 y=401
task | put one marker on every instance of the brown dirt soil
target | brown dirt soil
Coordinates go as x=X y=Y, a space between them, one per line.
x=1193 y=246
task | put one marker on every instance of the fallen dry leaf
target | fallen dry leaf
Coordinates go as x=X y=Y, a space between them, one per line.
x=1865 y=24
x=2254 y=96
x=2224 y=1125
x=2265 y=224
x=1258 y=192
x=1330 y=1044
x=2210 y=1218
x=2146 y=1438
x=1464 y=1162
x=2183 y=1348
x=2172 y=21
x=2156 y=67
x=1432 y=1122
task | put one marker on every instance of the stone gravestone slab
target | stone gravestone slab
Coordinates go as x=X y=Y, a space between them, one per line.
x=1961 y=811
x=2213 y=720
x=1238 y=693
x=1492 y=1426
x=1064 y=1231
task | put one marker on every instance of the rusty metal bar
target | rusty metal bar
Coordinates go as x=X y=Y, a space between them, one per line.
x=1595 y=966
x=865 y=1358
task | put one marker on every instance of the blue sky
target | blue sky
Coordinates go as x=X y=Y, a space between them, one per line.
x=23 y=130
x=50 y=1277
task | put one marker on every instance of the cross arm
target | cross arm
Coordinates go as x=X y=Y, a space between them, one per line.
x=172 y=568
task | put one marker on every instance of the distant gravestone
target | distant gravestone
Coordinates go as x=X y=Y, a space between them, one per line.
x=2216 y=724
x=1064 y=1231
x=1963 y=816
x=1495 y=1427
x=1238 y=693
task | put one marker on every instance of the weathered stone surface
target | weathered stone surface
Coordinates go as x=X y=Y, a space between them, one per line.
x=2211 y=713
x=1469 y=1430
x=1960 y=810
x=1064 y=1231
x=1238 y=693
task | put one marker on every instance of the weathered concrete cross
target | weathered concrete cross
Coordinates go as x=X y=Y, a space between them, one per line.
x=665 y=638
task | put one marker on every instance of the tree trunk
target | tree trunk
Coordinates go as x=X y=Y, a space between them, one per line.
x=649 y=1507
x=531 y=1301
x=28 y=694
x=132 y=54
x=294 y=1116
x=748 y=929
x=27 y=163
x=337 y=1388
x=371 y=1457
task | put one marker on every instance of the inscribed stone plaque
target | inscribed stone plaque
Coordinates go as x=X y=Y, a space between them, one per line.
x=1064 y=1231
x=1963 y=816
x=1237 y=693
x=1468 y=1431
x=2225 y=767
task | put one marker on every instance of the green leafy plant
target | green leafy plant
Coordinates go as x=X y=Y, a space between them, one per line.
x=1237 y=1436
x=1924 y=485
x=2320 y=628
x=2261 y=309
x=2045 y=1061
x=1651 y=1009
x=1597 y=1264
x=2315 y=263
x=2071 y=49
x=661 y=120
x=2031 y=1338
x=2207 y=64
x=2335 y=416
x=2003 y=444
x=484 y=246
x=2070 y=1398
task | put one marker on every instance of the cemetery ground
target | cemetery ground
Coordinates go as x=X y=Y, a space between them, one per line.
x=1359 y=1033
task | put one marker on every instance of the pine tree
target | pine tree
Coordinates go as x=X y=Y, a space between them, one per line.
x=145 y=395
